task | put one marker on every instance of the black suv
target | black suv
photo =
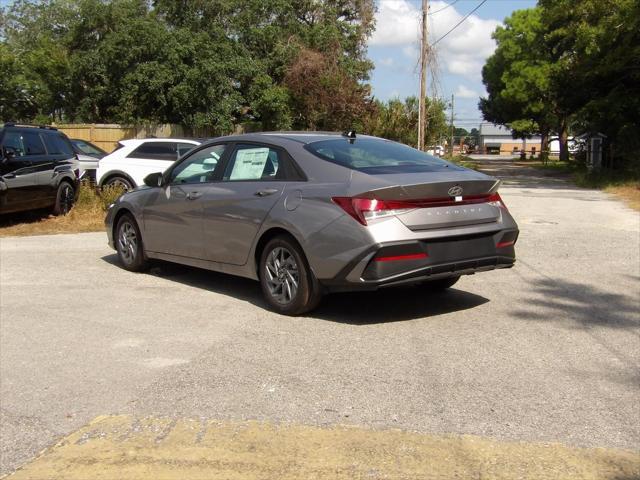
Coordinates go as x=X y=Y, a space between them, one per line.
x=38 y=169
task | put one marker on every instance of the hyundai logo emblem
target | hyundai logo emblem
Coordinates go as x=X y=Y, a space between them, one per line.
x=455 y=191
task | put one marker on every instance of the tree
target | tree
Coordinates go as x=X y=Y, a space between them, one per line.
x=201 y=63
x=325 y=97
x=278 y=36
x=473 y=138
x=567 y=62
x=16 y=102
x=595 y=49
x=398 y=120
x=517 y=79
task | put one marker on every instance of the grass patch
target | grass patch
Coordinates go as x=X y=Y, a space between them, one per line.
x=462 y=160
x=555 y=166
x=87 y=215
x=625 y=185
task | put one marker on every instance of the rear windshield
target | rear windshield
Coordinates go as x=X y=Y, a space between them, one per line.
x=377 y=156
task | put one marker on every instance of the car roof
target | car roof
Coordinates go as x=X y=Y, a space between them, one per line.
x=139 y=141
x=27 y=126
x=284 y=137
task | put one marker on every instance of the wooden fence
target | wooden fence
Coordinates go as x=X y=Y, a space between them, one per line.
x=107 y=135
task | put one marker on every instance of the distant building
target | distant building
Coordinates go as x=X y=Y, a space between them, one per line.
x=498 y=140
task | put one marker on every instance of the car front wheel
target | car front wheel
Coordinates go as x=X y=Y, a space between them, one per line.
x=65 y=198
x=288 y=284
x=129 y=244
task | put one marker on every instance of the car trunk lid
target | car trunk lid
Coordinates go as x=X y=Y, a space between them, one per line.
x=429 y=200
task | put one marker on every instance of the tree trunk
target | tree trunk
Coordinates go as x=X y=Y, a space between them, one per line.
x=544 y=146
x=563 y=139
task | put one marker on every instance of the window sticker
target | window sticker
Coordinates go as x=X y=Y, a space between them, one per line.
x=249 y=164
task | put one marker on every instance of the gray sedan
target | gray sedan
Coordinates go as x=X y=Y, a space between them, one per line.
x=313 y=213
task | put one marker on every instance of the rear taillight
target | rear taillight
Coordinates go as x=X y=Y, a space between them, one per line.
x=364 y=209
x=495 y=200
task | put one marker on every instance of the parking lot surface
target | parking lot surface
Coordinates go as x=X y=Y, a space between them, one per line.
x=548 y=351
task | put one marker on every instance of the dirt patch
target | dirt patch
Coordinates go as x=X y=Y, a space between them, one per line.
x=171 y=448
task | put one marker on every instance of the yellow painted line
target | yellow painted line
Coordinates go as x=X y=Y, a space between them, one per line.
x=123 y=447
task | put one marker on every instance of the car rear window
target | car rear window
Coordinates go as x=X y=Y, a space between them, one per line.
x=88 y=148
x=377 y=156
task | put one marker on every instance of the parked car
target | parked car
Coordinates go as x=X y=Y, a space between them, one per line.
x=134 y=159
x=88 y=155
x=38 y=169
x=436 y=151
x=312 y=213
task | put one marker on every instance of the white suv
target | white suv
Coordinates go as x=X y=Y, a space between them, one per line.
x=134 y=159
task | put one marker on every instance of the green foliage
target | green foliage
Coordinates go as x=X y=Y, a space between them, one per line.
x=201 y=63
x=567 y=64
x=398 y=120
x=517 y=77
x=15 y=98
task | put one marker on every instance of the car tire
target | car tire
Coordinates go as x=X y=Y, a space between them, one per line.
x=128 y=242
x=442 y=283
x=288 y=284
x=117 y=181
x=65 y=198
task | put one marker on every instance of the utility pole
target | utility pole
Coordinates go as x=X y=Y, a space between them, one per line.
x=422 y=105
x=452 y=125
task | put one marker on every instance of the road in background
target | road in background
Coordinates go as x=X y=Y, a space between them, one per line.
x=546 y=351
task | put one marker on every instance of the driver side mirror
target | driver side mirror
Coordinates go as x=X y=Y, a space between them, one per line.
x=154 y=180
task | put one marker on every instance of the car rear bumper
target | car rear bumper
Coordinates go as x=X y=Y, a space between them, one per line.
x=418 y=261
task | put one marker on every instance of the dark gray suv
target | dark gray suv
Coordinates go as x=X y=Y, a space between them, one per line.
x=38 y=169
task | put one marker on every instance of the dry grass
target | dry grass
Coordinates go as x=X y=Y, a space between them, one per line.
x=629 y=192
x=86 y=216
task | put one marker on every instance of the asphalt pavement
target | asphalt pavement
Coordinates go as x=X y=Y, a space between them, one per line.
x=548 y=351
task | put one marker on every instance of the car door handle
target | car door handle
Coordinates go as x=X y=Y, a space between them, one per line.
x=266 y=192
x=193 y=195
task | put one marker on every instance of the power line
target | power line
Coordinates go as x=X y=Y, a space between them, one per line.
x=458 y=24
x=444 y=8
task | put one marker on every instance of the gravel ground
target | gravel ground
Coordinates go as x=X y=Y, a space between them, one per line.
x=546 y=351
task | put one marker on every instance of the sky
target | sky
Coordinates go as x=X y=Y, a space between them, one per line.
x=394 y=49
x=457 y=68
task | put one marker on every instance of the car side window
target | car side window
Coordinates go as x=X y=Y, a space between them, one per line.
x=14 y=141
x=25 y=143
x=33 y=143
x=199 y=167
x=156 y=151
x=254 y=162
x=56 y=144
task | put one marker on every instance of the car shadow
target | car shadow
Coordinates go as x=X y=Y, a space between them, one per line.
x=355 y=308
x=394 y=304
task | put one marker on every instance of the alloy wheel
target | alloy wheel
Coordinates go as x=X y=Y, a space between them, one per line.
x=282 y=275
x=128 y=242
x=119 y=183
